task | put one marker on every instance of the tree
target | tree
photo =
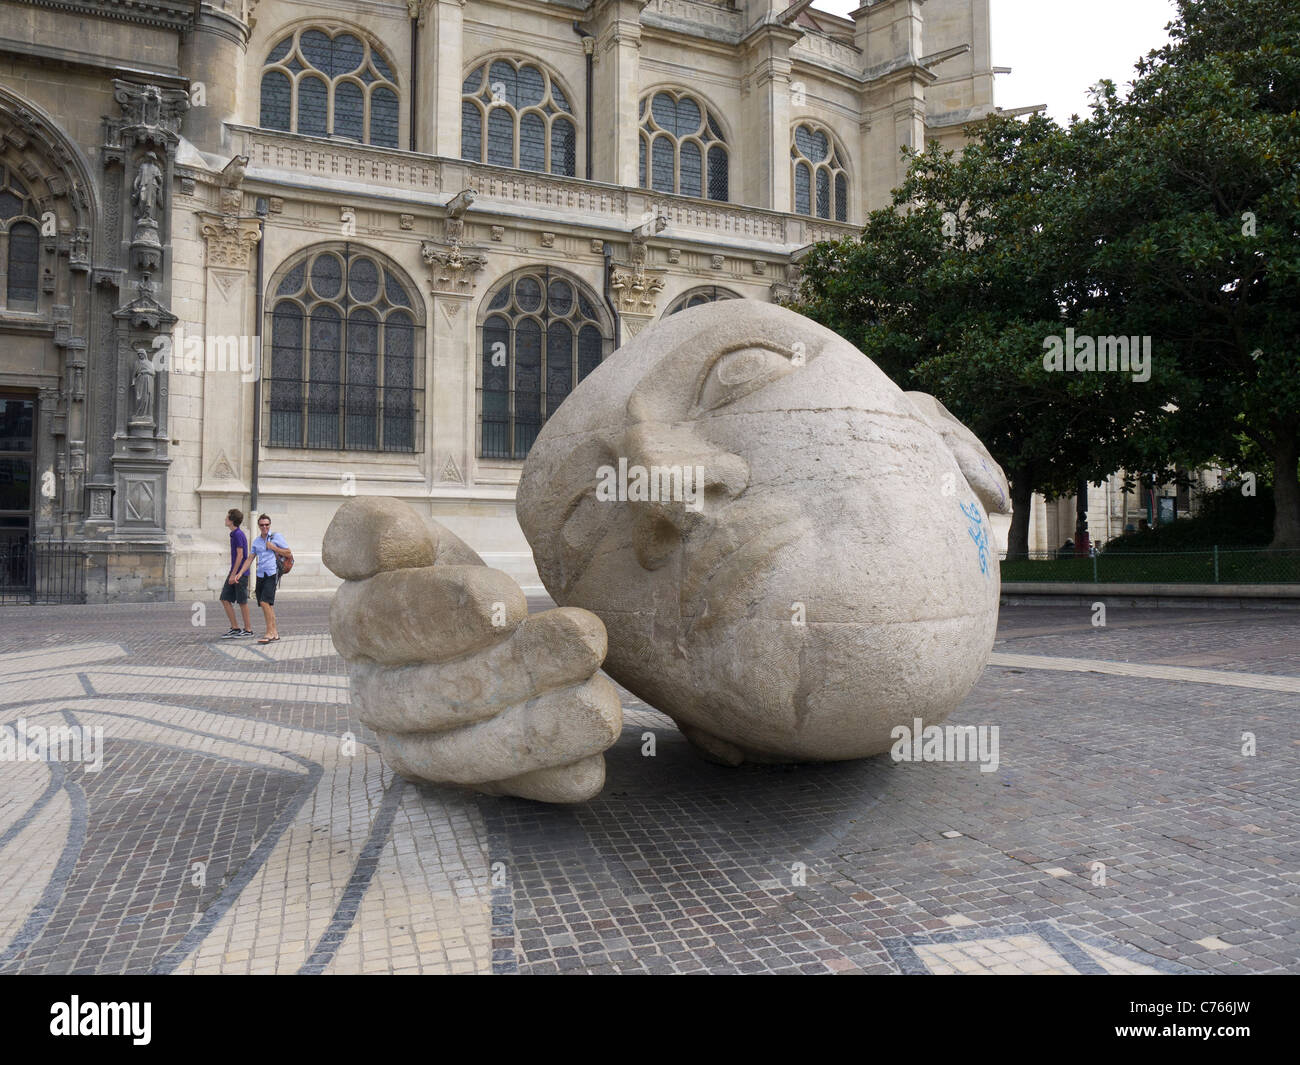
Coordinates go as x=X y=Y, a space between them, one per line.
x=1172 y=215
x=1199 y=204
x=957 y=287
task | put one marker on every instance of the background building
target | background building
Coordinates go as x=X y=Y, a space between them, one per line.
x=431 y=218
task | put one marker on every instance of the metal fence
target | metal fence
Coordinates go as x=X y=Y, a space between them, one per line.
x=44 y=571
x=1218 y=565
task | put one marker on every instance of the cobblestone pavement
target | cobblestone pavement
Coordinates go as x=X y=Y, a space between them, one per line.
x=239 y=819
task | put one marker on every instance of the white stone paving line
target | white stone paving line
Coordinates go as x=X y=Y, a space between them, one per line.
x=44 y=659
x=281 y=914
x=1258 y=681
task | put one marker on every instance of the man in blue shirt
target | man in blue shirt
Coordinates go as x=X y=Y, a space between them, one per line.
x=235 y=590
x=265 y=548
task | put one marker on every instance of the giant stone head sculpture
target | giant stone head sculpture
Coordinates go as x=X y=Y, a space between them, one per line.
x=790 y=555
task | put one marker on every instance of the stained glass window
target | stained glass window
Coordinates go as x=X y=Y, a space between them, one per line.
x=346 y=369
x=319 y=84
x=682 y=143
x=821 y=182
x=19 y=242
x=541 y=338
x=697 y=296
x=526 y=115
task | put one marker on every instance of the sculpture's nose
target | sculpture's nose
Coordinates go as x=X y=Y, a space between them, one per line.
x=676 y=481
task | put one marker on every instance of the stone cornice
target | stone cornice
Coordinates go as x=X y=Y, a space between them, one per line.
x=168 y=14
x=406 y=180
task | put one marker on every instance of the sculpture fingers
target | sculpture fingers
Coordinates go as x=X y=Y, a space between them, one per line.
x=556 y=728
x=576 y=782
x=373 y=534
x=546 y=651
x=460 y=685
x=980 y=469
x=434 y=614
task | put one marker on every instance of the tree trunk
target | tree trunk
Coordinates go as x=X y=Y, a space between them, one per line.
x=1022 y=494
x=1286 y=491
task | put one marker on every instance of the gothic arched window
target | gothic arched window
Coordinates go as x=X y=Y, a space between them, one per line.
x=819 y=171
x=541 y=335
x=527 y=118
x=20 y=243
x=347 y=355
x=697 y=296
x=325 y=85
x=682 y=149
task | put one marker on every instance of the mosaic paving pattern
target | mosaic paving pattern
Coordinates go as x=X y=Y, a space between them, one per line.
x=1124 y=830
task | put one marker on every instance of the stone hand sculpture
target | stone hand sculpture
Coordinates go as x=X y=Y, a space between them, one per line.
x=791 y=556
x=458 y=682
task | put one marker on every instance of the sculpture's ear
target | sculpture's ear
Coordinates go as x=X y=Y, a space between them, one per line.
x=981 y=471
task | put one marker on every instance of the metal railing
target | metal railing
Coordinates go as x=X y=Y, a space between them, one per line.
x=1217 y=565
x=42 y=571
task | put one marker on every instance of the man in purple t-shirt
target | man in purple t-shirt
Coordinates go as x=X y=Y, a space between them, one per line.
x=235 y=590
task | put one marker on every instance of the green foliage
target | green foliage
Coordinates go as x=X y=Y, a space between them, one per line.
x=1173 y=214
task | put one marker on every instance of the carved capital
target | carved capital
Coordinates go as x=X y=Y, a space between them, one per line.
x=230 y=239
x=452 y=269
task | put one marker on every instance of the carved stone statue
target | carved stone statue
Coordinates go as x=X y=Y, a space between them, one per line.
x=146 y=191
x=142 y=382
x=786 y=553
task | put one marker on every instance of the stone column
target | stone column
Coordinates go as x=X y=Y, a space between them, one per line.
x=893 y=99
x=616 y=25
x=224 y=352
x=212 y=57
x=763 y=128
x=450 y=381
x=442 y=72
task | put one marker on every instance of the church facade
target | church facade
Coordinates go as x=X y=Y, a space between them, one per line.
x=266 y=254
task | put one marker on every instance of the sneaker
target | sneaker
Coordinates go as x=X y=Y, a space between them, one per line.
x=230 y=635
x=246 y=633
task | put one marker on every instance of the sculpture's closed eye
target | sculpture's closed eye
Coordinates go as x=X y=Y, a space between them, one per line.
x=742 y=371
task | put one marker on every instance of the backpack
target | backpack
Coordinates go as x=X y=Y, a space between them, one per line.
x=283 y=563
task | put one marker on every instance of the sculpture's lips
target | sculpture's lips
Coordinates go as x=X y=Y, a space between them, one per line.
x=729 y=555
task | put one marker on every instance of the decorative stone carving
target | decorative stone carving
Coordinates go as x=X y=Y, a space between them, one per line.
x=459 y=683
x=142 y=390
x=452 y=269
x=141 y=501
x=275 y=204
x=230 y=241
x=144 y=312
x=811 y=575
x=222 y=469
x=406 y=221
x=498 y=232
x=147 y=198
x=716 y=261
x=152 y=115
x=451 y=472
x=547 y=240
x=636 y=288
x=597 y=246
x=674 y=255
x=760 y=267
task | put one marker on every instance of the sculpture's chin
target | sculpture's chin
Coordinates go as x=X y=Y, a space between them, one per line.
x=768 y=689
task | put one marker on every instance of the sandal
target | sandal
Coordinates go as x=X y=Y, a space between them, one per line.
x=269 y=639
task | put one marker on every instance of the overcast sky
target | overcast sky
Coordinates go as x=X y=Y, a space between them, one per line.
x=1056 y=49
